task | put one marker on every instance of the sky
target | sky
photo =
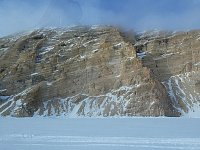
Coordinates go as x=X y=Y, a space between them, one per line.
x=139 y=15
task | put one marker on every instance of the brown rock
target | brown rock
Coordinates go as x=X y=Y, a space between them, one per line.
x=85 y=71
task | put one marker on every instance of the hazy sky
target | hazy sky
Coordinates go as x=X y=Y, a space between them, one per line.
x=18 y=15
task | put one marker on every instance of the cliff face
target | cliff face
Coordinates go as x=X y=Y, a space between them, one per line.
x=98 y=71
x=174 y=60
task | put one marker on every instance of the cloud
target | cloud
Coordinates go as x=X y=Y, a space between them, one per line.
x=62 y=13
x=143 y=14
x=18 y=15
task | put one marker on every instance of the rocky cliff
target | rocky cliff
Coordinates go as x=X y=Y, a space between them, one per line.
x=99 y=71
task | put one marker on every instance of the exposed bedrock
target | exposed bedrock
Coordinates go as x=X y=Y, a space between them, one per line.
x=99 y=71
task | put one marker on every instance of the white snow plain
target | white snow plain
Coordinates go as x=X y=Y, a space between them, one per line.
x=46 y=133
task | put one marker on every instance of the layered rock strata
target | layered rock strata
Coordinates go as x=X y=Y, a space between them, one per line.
x=98 y=71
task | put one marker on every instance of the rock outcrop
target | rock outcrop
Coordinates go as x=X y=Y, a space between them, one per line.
x=175 y=62
x=99 y=71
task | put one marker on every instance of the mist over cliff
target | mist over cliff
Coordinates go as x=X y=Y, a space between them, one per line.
x=20 y=15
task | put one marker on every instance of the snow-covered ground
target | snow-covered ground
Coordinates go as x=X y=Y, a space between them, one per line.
x=99 y=134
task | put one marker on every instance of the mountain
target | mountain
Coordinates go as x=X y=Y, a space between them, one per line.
x=99 y=71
